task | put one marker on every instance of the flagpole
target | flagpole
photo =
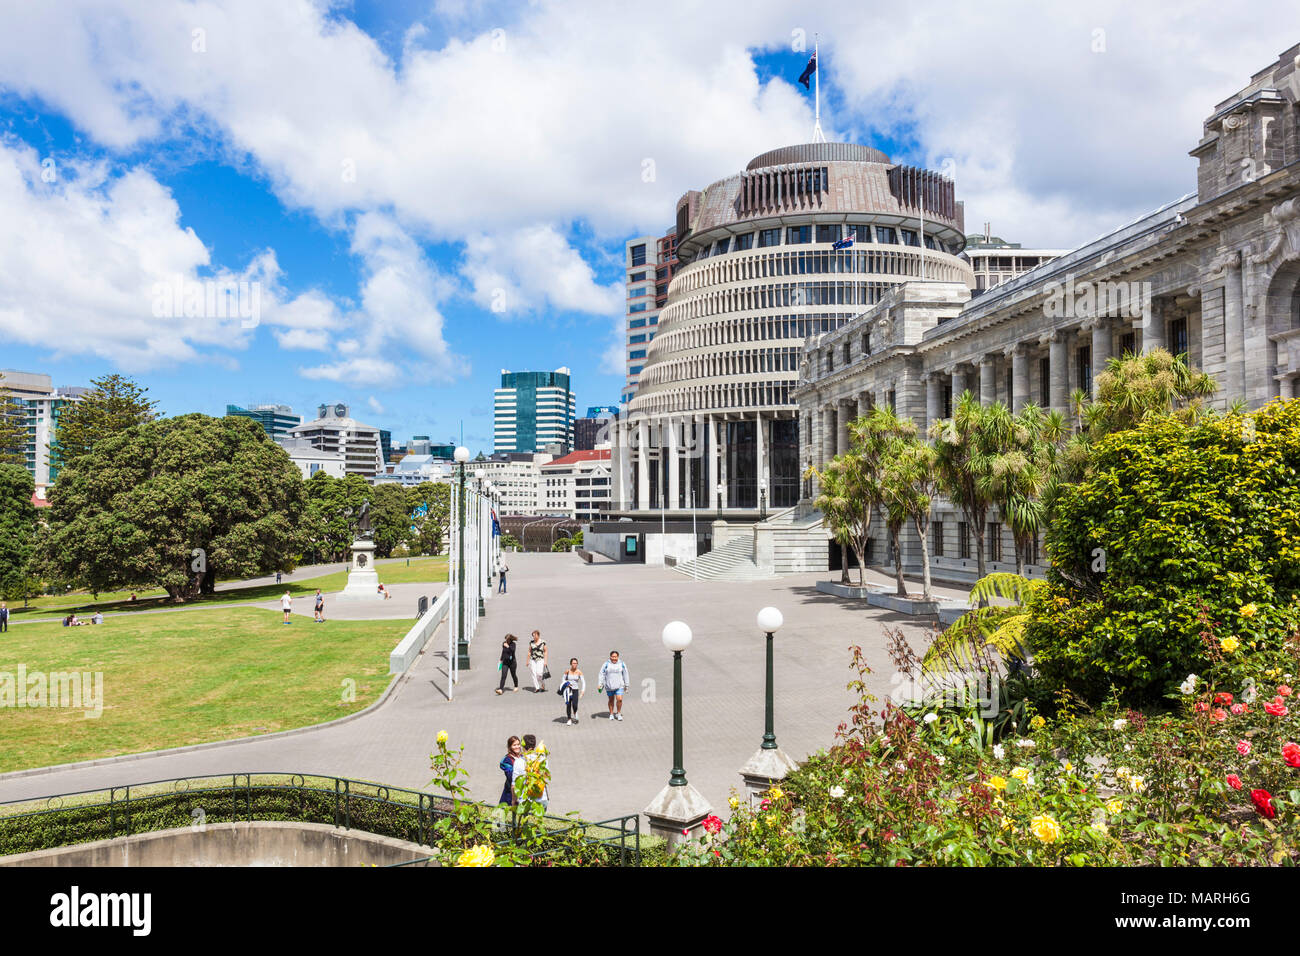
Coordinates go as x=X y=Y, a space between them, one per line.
x=923 y=227
x=818 y=135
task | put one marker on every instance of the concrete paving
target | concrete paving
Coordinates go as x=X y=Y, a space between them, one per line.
x=601 y=768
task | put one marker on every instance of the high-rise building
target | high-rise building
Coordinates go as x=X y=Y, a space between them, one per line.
x=40 y=403
x=650 y=264
x=334 y=431
x=798 y=243
x=277 y=420
x=593 y=429
x=532 y=410
x=995 y=261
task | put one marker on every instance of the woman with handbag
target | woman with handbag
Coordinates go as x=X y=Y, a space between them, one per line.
x=537 y=662
x=507 y=663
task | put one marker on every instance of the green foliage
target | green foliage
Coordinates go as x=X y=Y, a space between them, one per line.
x=429 y=505
x=130 y=512
x=115 y=404
x=17 y=530
x=1184 y=534
x=1000 y=627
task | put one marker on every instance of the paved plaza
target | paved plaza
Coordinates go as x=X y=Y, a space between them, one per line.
x=600 y=768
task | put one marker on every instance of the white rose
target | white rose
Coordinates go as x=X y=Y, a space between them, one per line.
x=931 y=718
x=837 y=792
x=1119 y=724
x=999 y=752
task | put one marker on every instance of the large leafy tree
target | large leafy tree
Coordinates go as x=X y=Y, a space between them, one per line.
x=391 y=517
x=879 y=438
x=849 y=493
x=429 y=505
x=909 y=483
x=13 y=429
x=114 y=404
x=132 y=510
x=966 y=446
x=333 y=504
x=1024 y=468
x=17 y=529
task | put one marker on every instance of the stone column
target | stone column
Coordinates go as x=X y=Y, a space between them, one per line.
x=1019 y=376
x=1058 y=361
x=958 y=382
x=1100 y=348
x=710 y=448
x=933 y=399
x=1234 y=330
x=643 y=464
x=864 y=405
x=674 y=466
x=988 y=381
x=1153 y=328
x=1286 y=387
x=722 y=460
x=842 y=443
x=828 y=433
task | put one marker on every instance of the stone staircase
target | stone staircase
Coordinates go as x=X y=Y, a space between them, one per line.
x=733 y=561
x=799 y=541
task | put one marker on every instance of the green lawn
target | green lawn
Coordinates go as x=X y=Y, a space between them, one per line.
x=186 y=678
x=84 y=604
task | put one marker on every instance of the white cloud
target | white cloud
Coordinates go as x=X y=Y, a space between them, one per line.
x=375 y=405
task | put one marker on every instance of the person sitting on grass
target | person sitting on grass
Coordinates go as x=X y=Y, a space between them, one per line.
x=384 y=591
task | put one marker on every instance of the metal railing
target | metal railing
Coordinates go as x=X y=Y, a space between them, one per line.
x=85 y=816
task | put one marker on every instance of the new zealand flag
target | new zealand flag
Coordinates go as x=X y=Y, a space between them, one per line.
x=846 y=242
x=808 y=71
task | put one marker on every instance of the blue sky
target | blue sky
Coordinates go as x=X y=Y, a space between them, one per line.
x=497 y=152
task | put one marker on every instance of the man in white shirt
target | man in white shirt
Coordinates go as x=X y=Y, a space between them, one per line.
x=286 y=605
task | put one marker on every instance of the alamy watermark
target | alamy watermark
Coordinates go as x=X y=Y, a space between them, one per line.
x=64 y=689
x=209 y=299
x=978 y=689
x=1087 y=299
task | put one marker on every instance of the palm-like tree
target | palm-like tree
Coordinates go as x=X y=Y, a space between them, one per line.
x=965 y=447
x=849 y=493
x=908 y=484
x=1025 y=468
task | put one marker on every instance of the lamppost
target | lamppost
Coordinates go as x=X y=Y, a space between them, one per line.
x=722 y=491
x=770 y=763
x=679 y=809
x=462 y=643
x=762 y=499
x=490 y=491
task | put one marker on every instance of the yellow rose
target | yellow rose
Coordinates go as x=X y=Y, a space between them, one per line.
x=775 y=793
x=1114 y=806
x=1005 y=823
x=1037 y=722
x=1230 y=644
x=476 y=856
x=1249 y=610
x=1067 y=766
x=1045 y=828
x=1021 y=774
x=1137 y=783
x=733 y=803
x=442 y=737
x=997 y=783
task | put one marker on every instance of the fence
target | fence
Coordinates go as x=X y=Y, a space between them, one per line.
x=411 y=815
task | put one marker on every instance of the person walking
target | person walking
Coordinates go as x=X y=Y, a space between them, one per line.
x=277 y=577
x=501 y=571
x=514 y=751
x=613 y=680
x=320 y=607
x=574 y=686
x=4 y=616
x=286 y=605
x=534 y=760
x=538 y=659
x=507 y=663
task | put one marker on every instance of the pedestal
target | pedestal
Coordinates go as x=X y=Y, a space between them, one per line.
x=765 y=768
x=677 y=814
x=363 y=579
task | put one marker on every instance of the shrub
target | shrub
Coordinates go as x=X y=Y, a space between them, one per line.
x=1180 y=552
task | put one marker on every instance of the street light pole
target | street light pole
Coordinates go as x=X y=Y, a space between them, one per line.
x=769 y=763
x=769 y=620
x=677 y=637
x=462 y=643
x=479 y=475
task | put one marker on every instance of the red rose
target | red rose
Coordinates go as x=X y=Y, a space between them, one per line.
x=1223 y=697
x=1234 y=781
x=1202 y=706
x=1263 y=803
x=1291 y=754
x=1219 y=714
x=1283 y=690
x=712 y=823
x=1238 y=709
x=1276 y=707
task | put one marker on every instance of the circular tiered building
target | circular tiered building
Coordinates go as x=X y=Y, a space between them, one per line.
x=801 y=241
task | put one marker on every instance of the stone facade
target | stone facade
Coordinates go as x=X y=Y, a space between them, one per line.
x=1215 y=275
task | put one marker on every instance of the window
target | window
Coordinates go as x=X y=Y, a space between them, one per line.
x=866 y=343
x=661 y=274
x=1083 y=367
x=885 y=234
x=636 y=277
x=937 y=537
x=721 y=246
x=638 y=307
x=637 y=338
x=745 y=242
x=638 y=255
x=769 y=237
x=848 y=355
x=963 y=539
x=1178 y=336
x=909 y=237
x=661 y=290
x=798 y=234
x=1128 y=343
x=828 y=233
x=636 y=324
x=994 y=541
x=1044 y=381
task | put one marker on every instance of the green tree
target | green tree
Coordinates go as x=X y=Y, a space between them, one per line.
x=114 y=404
x=391 y=517
x=1024 y=468
x=849 y=493
x=965 y=448
x=332 y=507
x=908 y=486
x=18 y=525
x=174 y=503
x=879 y=438
x=429 y=504
x=13 y=429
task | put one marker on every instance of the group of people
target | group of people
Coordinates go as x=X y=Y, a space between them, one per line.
x=613 y=679
x=73 y=621
x=318 y=607
x=515 y=766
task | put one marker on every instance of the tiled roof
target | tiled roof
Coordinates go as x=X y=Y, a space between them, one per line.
x=573 y=457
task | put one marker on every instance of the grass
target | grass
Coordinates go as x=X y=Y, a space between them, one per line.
x=170 y=680
x=80 y=602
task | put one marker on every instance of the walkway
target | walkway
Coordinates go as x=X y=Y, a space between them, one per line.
x=601 y=768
